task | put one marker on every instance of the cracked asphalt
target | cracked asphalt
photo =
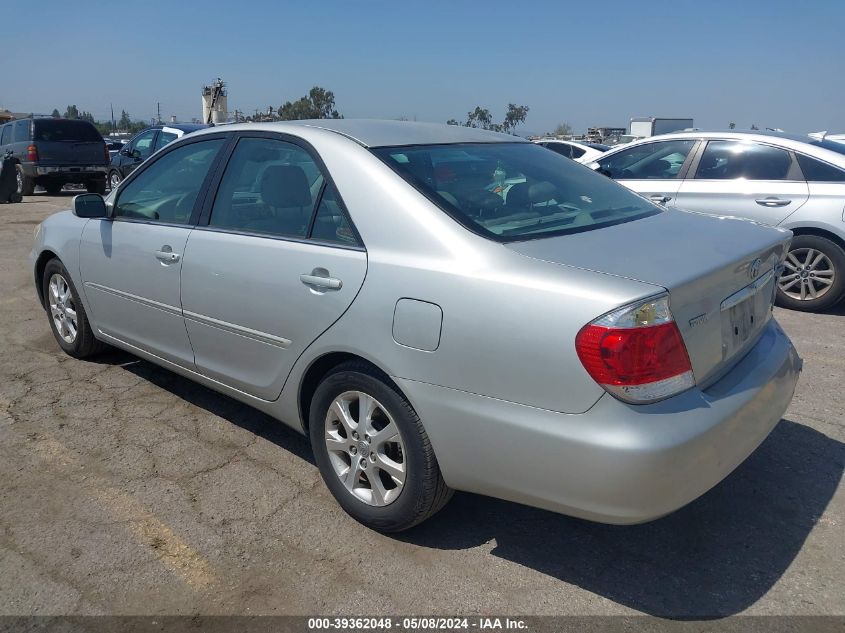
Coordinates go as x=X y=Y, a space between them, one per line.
x=125 y=489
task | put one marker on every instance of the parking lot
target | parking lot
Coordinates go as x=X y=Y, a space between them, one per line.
x=127 y=489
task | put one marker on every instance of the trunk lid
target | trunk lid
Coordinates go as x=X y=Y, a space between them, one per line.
x=719 y=272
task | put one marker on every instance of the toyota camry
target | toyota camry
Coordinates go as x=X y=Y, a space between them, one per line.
x=437 y=308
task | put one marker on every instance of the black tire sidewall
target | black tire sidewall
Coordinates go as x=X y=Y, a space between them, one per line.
x=55 y=266
x=406 y=507
x=833 y=296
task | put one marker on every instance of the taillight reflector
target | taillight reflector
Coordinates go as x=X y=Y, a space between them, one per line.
x=32 y=153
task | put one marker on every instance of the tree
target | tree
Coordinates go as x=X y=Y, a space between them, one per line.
x=482 y=118
x=754 y=126
x=317 y=104
x=56 y=114
x=125 y=122
x=731 y=125
x=563 y=129
x=72 y=112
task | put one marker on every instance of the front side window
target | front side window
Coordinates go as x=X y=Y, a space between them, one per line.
x=164 y=138
x=167 y=190
x=650 y=161
x=817 y=171
x=742 y=160
x=143 y=145
x=514 y=191
x=270 y=186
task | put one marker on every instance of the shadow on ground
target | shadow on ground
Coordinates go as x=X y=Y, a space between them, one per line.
x=713 y=558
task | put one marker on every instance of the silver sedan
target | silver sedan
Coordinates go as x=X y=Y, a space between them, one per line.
x=437 y=308
x=796 y=182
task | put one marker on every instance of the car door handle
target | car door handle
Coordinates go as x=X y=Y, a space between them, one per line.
x=168 y=257
x=659 y=199
x=772 y=202
x=320 y=281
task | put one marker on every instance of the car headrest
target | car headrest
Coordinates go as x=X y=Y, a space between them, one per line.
x=285 y=186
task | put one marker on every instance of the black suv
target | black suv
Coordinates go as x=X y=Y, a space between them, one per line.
x=54 y=152
x=142 y=146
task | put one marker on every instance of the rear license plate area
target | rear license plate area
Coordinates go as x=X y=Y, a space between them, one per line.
x=745 y=313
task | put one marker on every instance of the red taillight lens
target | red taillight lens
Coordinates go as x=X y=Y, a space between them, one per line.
x=636 y=353
x=32 y=153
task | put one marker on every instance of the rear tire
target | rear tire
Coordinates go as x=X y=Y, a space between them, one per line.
x=68 y=320
x=813 y=278
x=96 y=186
x=26 y=185
x=397 y=482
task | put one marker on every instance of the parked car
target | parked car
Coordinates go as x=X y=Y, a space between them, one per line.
x=54 y=152
x=576 y=150
x=142 y=146
x=795 y=182
x=437 y=308
x=615 y=141
x=114 y=146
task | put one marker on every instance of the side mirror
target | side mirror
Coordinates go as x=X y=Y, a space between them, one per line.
x=136 y=154
x=90 y=205
x=124 y=151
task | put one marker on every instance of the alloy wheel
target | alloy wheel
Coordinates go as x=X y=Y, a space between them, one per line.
x=114 y=180
x=808 y=274
x=62 y=308
x=19 y=176
x=365 y=448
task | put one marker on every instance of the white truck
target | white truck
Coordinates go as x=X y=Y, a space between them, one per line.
x=649 y=126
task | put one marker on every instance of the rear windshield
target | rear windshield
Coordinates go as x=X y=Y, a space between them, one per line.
x=49 y=130
x=515 y=191
x=833 y=146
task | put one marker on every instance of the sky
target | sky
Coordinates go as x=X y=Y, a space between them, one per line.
x=771 y=63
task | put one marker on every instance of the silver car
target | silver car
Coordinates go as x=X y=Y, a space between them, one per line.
x=796 y=182
x=438 y=308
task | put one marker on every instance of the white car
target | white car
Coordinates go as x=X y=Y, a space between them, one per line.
x=582 y=152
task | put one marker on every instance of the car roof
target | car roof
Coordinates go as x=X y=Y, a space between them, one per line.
x=806 y=144
x=184 y=127
x=386 y=133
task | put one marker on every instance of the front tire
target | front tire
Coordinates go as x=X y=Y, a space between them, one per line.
x=813 y=278
x=372 y=450
x=68 y=321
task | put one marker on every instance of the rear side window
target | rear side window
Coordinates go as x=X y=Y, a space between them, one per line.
x=817 y=171
x=269 y=186
x=63 y=130
x=22 y=130
x=733 y=160
x=561 y=148
x=577 y=152
x=330 y=224
x=6 y=135
x=651 y=161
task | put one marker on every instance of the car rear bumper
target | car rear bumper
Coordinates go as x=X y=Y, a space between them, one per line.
x=616 y=463
x=65 y=171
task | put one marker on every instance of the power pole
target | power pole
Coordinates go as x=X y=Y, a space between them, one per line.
x=158 y=109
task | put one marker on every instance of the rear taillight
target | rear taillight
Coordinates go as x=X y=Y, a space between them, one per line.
x=32 y=153
x=106 y=149
x=636 y=353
